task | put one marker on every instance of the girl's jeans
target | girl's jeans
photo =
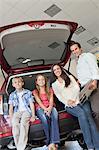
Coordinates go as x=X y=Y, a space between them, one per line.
x=50 y=125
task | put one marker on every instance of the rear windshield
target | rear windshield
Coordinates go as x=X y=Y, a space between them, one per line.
x=29 y=81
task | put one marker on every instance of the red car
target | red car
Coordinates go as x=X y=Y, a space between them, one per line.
x=27 y=49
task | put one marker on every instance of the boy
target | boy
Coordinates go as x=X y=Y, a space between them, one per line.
x=21 y=111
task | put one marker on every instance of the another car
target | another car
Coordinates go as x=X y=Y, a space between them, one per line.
x=27 y=49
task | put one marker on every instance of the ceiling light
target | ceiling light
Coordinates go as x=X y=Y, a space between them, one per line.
x=26 y=61
x=79 y=30
x=94 y=41
x=52 y=10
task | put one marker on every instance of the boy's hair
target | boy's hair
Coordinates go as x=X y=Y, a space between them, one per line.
x=17 y=78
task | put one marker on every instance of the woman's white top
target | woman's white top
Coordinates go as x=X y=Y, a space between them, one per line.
x=66 y=93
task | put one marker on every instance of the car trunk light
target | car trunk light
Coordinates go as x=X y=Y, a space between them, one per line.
x=1 y=104
x=5 y=128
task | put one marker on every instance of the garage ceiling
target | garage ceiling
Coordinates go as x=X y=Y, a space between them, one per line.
x=84 y=12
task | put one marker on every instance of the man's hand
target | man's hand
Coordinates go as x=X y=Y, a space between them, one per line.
x=93 y=85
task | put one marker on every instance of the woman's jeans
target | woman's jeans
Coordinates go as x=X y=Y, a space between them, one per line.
x=87 y=124
x=50 y=125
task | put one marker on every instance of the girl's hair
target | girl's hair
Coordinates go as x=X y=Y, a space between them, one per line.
x=64 y=75
x=47 y=89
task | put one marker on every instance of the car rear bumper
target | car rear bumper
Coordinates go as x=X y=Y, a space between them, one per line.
x=5 y=140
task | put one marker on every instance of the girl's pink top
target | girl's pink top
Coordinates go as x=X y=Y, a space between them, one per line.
x=43 y=98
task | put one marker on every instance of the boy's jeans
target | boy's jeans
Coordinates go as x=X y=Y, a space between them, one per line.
x=20 y=127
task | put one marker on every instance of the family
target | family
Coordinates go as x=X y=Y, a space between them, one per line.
x=23 y=108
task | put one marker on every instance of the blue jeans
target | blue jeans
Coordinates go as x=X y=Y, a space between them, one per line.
x=87 y=124
x=50 y=125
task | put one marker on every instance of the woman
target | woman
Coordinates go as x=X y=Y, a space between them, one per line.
x=46 y=112
x=67 y=90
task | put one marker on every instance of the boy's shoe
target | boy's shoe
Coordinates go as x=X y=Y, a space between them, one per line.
x=11 y=145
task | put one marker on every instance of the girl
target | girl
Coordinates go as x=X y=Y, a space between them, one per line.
x=46 y=112
x=67 y=91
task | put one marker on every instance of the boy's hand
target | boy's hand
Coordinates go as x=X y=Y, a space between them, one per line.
x=32 y=119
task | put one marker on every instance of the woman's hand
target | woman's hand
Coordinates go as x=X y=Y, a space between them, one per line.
x=71 y=103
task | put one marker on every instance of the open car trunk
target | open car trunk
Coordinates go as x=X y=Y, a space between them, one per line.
x=38 y=43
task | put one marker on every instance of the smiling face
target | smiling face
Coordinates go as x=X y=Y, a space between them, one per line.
x=57 y=71
x=76 y=50
x=17 y=83
x=40 y=80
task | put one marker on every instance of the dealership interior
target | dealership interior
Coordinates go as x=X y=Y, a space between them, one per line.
x=85 y=30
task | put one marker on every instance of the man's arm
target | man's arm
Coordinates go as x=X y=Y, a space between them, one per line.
x=93 y=66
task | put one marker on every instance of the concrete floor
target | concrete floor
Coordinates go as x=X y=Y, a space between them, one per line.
x=68 y=146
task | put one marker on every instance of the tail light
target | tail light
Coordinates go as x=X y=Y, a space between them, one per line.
x=5 y=127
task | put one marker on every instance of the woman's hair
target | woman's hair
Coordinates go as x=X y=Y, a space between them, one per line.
x=47 y=89
x=64 y=75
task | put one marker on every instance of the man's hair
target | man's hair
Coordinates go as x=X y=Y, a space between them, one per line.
x=71 y=43
x=17 y=78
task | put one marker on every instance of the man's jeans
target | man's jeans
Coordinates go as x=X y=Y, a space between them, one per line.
x=94 y=99
x=87 y=124
x=50 y=125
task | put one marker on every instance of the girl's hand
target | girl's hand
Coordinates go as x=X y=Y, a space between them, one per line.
x=48 y=111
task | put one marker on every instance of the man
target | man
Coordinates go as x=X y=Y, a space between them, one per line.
x=87 y=70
